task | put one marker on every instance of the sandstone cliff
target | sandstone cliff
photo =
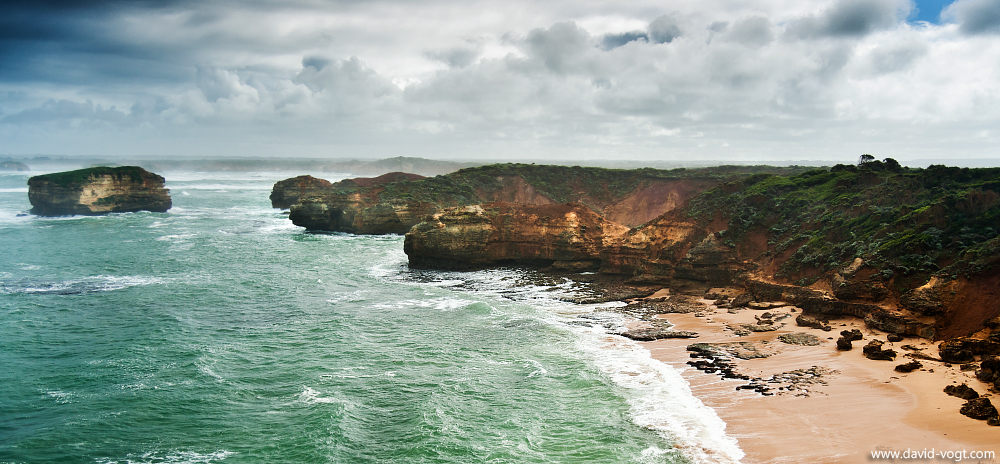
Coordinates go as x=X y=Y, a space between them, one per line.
x=910 y=251
x=564 y=236
x=98 y=190
x=629 y=197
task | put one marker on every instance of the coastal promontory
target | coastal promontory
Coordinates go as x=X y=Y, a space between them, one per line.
x=98 y=190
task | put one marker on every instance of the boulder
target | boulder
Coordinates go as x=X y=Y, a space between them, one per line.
x=98 y=190
x=962 y=391
x=979 y=408
x=808 y=321
x=844 y=344
x=908 y=367
x=873 y=350
x=852 y=335
x=286 y=193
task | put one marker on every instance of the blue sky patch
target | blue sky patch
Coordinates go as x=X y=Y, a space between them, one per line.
x=929 y=10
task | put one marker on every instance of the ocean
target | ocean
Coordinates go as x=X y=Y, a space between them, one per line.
x=219 y=332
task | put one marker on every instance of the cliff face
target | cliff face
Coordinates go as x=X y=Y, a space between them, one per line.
x=565 y=236
x=355 y=206
x=98 y=190
x=629 y=197
x=911 y=251
x=287 y=192
x=357 y=214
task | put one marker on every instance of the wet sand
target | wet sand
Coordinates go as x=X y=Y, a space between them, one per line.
x=866 y=406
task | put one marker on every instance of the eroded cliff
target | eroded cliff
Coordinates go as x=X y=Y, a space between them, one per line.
x=629 y=197
x=98 y=190
x=914 y=251
x=562 y=236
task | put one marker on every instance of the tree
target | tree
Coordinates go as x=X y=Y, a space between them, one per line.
x=865 y=159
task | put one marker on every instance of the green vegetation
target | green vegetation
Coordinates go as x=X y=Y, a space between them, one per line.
x=911 y=223
x=81 y=176
x=559 y=183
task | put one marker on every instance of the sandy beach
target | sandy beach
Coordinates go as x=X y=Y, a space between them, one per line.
x=859 y=407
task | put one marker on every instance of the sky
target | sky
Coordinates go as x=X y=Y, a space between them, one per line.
x=680 y=80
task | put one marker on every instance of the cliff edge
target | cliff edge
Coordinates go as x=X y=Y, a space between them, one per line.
x=98 y=190
x=912 y=251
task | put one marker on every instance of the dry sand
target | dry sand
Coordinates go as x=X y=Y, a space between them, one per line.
x=865 y=406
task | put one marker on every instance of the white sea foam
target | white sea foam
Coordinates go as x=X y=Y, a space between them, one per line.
x=100 y=283
x=60 y=397
x=14 y=190
x=348 y=297
x=170 y=457
x=439 y=303
x=539 y=369
x=660 y=398
x=310 y=396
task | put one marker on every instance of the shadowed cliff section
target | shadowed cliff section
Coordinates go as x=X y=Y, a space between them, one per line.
x=98 y=190
x=630 y=197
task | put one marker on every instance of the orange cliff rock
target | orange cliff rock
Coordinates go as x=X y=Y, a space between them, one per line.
x=565 y=236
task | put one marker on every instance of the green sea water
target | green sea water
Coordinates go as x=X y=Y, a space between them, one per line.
x=220 y=332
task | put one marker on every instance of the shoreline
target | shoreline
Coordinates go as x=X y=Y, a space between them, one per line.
x=861 y=407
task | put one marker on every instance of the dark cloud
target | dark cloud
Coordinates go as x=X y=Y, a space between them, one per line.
x=558 y=46
x=458 y=57
x=610 y=41
x=754 y=31
x=852 y=18
x=975 y=16
x=665 y=29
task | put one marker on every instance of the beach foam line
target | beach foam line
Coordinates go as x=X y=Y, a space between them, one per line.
x=660 y=398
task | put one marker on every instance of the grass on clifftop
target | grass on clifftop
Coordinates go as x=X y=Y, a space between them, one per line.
x=81 y=176
x=559 y=183
x=909 y=222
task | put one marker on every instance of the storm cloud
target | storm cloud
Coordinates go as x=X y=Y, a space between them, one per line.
x=702 y=79
x=975 y=16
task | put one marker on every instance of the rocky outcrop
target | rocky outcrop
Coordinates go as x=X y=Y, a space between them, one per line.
x=962 y=349
x=567 y=236
x=874 y=350
x=353 y=214
x=979 y=409
x=962 y=391
x=287 y=192
x=628 y=197
x=351 y=205
x=98 y=190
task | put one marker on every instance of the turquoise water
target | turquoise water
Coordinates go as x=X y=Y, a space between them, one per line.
x=220 y=332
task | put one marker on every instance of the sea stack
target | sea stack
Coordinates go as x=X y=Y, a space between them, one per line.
x=98 y=190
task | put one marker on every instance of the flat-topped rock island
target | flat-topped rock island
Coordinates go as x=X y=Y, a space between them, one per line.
x=98 y=190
